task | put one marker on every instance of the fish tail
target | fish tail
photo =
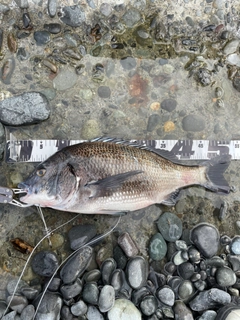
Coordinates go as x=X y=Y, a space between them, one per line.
x=215 y=169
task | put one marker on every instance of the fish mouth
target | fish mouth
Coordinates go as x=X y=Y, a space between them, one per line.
x=25 y=191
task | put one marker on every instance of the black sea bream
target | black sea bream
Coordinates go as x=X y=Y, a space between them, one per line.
x=111 y=176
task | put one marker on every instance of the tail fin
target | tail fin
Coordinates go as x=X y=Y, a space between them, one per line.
x=215 y=169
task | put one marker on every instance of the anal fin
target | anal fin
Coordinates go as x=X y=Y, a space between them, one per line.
x=172 y=199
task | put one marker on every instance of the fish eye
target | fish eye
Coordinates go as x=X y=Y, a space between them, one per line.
x=41 y=172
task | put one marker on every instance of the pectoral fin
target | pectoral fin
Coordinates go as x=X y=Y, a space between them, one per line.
x=102 y=187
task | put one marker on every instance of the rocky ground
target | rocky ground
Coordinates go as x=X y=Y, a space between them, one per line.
x=130 y=69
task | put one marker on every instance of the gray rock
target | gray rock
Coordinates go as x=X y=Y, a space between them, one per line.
x=131 y=17
x=94 y=314
x=54 y=284
x=22 y=54
x=41 y=37
x=90 y=293
x=92 y=275
x=149 y=305
x=153 y=121
x=23 y=4
x=106 y=298
x=10 y=316
x=137 y=271
x=127 y=244
x=52 y=7
x=53 y=28
x=73 y=16
x=66 y=313
x=4 y=8
x=29 y=292
x=79 y=308
x=170 y=226
x=206 y=238
x=50 y=306
x=185 y=270
x=70 y=291
x=231 y=47
x=208 y=315
x=28 y=312
x=106 y=9
x=193 y=123
x=76 y=265
x=235 y=245
x=169 y=105
x=81 y=234
x=65 y=79
x=225 y=277
x=128 y=63
x=45 y=263
x=119 y=257
x=104 y=92
x=124 y=309
x=210 y=299
x=235 y=262
x=27 y=108
x=18 y=303
x=185 y=290
x=181 y=311
x=157 y=247
x=166 y=296
x=107 y=268
x=12 y=285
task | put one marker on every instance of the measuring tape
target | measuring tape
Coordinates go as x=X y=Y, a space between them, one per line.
x=40 y=150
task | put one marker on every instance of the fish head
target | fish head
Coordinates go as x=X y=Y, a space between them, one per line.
x=51 y=184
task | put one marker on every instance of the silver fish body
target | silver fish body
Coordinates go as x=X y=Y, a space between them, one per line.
x=111 y=176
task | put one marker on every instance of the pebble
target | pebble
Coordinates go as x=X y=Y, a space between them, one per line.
x=153 y=121
x=106 y=9
x=106 y=298
x=120 y=257
x=169 y=105
x=193 y=123
x=185 y=290
x=235 y=245
x=50 y=306
x=131 y=17
x=45 y=263
x=18 y=303
x=52 y=8
x=149 y=305
x=124 y=310
x=157 y=247
x=29 y=292
x=166 y=296
x=225 y=277
x=231 y=47
x=76 y=265
x=127 y=244
x=169 y=126
x=236 y=81
x=10 y=316
x=206 y=238
x=104 y=92
x=90 y=129
x=128 y=63
x=27 y=108
x=181 y=311
x=73 y=16
x=7 y=70
x=81 y=234
x=53 y=28
x=185 y=270
x=208 y=315
x=41 y=37
x=28 y=312
x=70 y=291
x=4 y=8
x=90 y=293
x=22 y=54
x=94 y=314
x=137 y=272
x=233 y=59
x=65 y=79
x=79 y=308
x=235 y=262
x=107 y=268
x=170 y=226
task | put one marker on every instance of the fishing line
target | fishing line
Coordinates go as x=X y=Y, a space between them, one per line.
x=72 y=254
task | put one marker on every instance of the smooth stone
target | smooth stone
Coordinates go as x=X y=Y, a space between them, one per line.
x=166 y=296
x=50 y=306
x=18 y=303
x=157 y=247
x=90 y=293
x=10 y=316
x=76 y=265
x=79 y=308
x=193 y=123
x=185 y=270
x=225 y=277
x=54 y=284
x=178 y=258
x=73 y=16
x=153 y=121
x=127 y=244
x=208 y=315
x=52 y=8
x=28 y=312
x=181 y=311
x=137 y=272
x=106 y=298
x=231 y=47
x=65 y=79
x=117 y=280
x=235 y=245
x=131 y=17
x=170 y=226
x=94 y=314
x=27 y=108
x=22 y=54
x=71 y=290
x=41 y=37
x=169 y=105
x=209 y=299
x=107 y=268
x=194 y=255
x=4 y=8
x=148 y=305
x=215 y=261
x=120 y=257
x=233 y=59
x=124 y=310
x=92 y=276
x=81 y=234
x=11 y=286
x=206 y=238
x=53 y=28
x=181 y=245
x=128 y=63
x=29 y=292
x=104 y=92
x=234 y=261
x=106 y=9
x=66 y=313
x=45 y=263
x=185 y=290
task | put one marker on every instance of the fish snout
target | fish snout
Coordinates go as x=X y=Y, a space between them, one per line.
x=23 y=185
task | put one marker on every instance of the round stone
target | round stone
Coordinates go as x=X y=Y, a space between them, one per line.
x=193 y=123
x=41 y=37
x=137 y=272
x=235 y=245
x=206 y=238
x=73 y=16
x=181 y=311
x=157 y=247
x=65 y=79
x=148 y=305
x=128 y=63
x=90 y=293
x=124 y=310
x=166 y=296
x=185 y=270
x=106 y=298
x=169 y=105
x=45 y=263
x=185 y=289
x=225 y=277
x=170 y=226
x=104 y=92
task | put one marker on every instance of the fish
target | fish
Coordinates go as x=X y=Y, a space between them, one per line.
x=113 y=176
